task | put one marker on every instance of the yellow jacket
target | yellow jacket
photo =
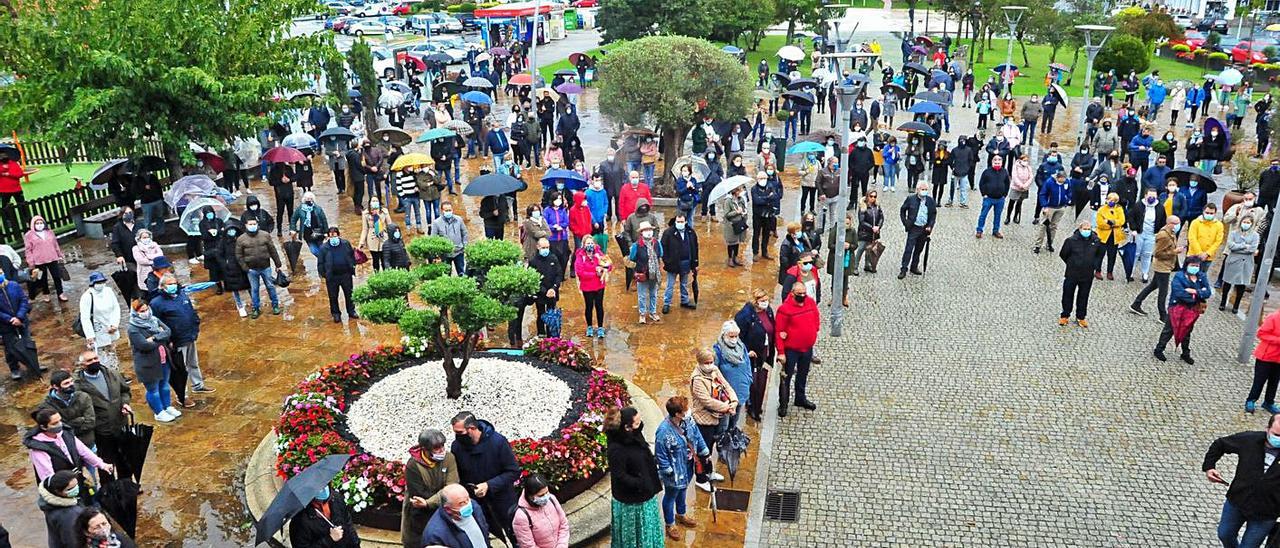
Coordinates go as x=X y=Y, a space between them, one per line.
x=1204 y=238
x=1115 y=214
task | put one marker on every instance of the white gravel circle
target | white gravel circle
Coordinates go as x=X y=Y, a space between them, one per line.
x=520 y=400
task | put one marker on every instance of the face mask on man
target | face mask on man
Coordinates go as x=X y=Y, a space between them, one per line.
x=1086 y=233
x=171 y=289
x=646 y=234
x=334 y=241
x=680 y=226
x=253 y=229
x=1151 y=200
x=799 y=299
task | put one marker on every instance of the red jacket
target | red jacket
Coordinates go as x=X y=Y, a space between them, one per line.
x=580 y=216
x=10 y=177
x=1268 y=349
x=800 y=322
x=628 y=197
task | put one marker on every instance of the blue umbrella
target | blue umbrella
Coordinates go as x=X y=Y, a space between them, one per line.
x=732 y=50
x=999 y=69
x=806 y=147
x=941 y=77
x=436 y=133
x=925 y=107
x=572 y=180
x=353 y=93
x=477 y=98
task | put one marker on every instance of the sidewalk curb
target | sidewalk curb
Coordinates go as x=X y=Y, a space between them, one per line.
x=768 y=430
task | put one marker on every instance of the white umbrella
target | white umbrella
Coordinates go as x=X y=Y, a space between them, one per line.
x=190 y=220
x=726 y=186
x=700 y=167
x=791 y=53
x=1230 y=77
x=1061 y=93
x=189 y=187
x=390 y=98
x=483 y=57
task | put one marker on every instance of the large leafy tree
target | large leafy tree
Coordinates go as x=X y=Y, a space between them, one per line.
x=798 y=12
x=665 y=80
x=106 y=73
x=739 y=18
x=632 y=19
x=360 y=58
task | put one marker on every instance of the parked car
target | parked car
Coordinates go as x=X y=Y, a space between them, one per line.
x=1194 y=39
x=1252 y=52
x=374 y=10
x=586 y=3
x=340 y=8
x=367 y=26
x=457 y=42
x=468 y=21
x=1226 y=44
x=1184 y=21
x=437 y=23
x=1212 y=24
x=383 y=62
x=398 y=23
x=422 y=50
x=401 y=9
x=339 y=24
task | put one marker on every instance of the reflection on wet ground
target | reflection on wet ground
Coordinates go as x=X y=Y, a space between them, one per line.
x=191 y=493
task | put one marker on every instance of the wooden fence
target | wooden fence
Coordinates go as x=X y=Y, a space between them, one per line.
x=39 y=153
x=55 y=208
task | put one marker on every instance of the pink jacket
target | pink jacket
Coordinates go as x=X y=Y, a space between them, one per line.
x=585 y=267
x=42 y=248
x=44 y=466
x=143 y=256
x=541 y=527
x=1022 y=175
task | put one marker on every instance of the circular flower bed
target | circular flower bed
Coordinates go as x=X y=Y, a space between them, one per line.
x=555 y=403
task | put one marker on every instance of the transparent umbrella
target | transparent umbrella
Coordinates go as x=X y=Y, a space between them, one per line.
x=190 y=220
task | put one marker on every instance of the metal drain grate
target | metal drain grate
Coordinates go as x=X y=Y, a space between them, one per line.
x=782 y=505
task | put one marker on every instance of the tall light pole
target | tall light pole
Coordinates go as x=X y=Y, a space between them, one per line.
x=533 y=49
x=846 y=95
x=1012 y=15
x=1091 y=49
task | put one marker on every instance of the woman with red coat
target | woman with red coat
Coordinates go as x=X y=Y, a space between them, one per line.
x=579 y=219
x=1266 y=365
x=11 y=174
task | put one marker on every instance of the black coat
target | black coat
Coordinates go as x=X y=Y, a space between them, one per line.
x=1139 y=210
x=911 y=207
x=309 y=528
x=861 y=160
x=123 y=240
x=265 y=222
x=234 y=278
x=994 y=183
x=758 y=339
x=551 y=270
x=869 y=218
x=1269 y=187
x=490 y=461
x=633 y=471
x=963 y=159
x=1254 y=493
x=1081 y=256
x=679 y=255
x=339 y=260
x=393 y=251
x=789 y=254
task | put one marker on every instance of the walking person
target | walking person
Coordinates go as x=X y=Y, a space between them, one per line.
x=714 y=402
x=918 y=214
x=1250 y=501
x=994 y=186
x=677 y=443
x=1189 y=290
x=1237 y=269
x=1081 y=252
x=1266 y=366
x=336 y=264
x=796 y=331
x=255 y=252
x=1164 y=259
x=1053 y=200
x=646 y=253
x=633 y=477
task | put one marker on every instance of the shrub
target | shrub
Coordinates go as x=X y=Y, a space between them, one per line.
x=486 y=254
x=363 y=294
x=418 y=323
x=1181 y=48
x=516 y=281
x=1123 y=53
x=448 y=291
x=1270 y=52
x=1217 y=56
x=1160 y=146
x=431 y=271
x=391 y=283
x=384 y=311
x=782 y=115
x=429 y=248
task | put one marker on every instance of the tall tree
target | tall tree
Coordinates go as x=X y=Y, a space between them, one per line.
x=694 y=75
x=740 y=17
x=335 y=73
x=795 y=12
x=106 y=73
x=632 y=19
x=360 y=59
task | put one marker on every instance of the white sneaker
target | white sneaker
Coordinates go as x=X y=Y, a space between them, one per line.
x=173 y=412
x=164 y=416
x=244 y=313
x=704 y=486
x=193 y=260
x=715 y=476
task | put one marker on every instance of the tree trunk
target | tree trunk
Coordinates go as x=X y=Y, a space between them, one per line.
x=453 y=381
x=1022 y=44
x=791 y=29
x=672 y=146
x=174 y=161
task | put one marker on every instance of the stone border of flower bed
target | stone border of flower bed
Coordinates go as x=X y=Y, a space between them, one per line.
x=589 y=513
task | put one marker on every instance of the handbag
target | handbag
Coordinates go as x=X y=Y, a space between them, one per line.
x=739 y=226
x=282 y=280
x=78 y=326
x=361 y=258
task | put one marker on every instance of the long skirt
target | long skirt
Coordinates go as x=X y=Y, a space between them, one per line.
x=637 y=525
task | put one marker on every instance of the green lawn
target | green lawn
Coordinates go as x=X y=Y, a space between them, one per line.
x=548 y=72
x=1031 y=78
x=55 y=178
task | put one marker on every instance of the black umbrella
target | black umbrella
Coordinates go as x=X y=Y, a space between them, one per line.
x=398 y=136
x=336 y=133
x=1184 y=175
x=134 y=442
x=897 y=88
x=933 y=97
x=802 y=83
x=296 y=494
x=858 y=78
x=781 y=78
x=127 y=281
x=301 y=94
x=441 y=58
x=98 y=180
x=292 y=250
x=731 y=446
x=799 y=97
x=566 y=72
x=918 y=68
x=492 y=184
x=119 y=499
x=918 y=127
x=147 y=163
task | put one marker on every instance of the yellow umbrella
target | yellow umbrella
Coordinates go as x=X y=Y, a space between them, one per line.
x=1273 y=27
x=412 y=159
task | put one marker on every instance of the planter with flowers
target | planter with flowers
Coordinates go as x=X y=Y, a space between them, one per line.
x=549 y=401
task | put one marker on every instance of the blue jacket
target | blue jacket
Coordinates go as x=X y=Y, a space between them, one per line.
x=177 y=312
x=1139 y=157
x=686 y=195
x=1155 y=177
x=1046 y=171
x=498 y=142
x=598 y=203
x=1178 y=289
x=441 y=531
x=1192 y=204
x=1195 y=96
x=14 y=303
x=558 y=222
x=318 y=117
x=739 y=375
x=1055 y=195
x=490 y=461
x=675 y=468
x=1157 y=93
x=753 y=331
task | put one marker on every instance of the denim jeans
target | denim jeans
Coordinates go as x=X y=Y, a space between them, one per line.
x=412 y=211
x=498 y=158
x=1028 y=128
x=459 y=264
x=158 y=396
x=431 y=210
x=890 y=176
x=647 y=297
x=1146 y=246
x=683 y=277
x=673 y=502
x=648 y=174
x=235 y=296
x=987 y=205
x=633 y=166
x=259 y=277
x=372 y=188
x=314 y=247
x=961 y=183
x=1229 y=527
x=472 y=144
x=789 y=128
x=457 y=170
x=153 y=216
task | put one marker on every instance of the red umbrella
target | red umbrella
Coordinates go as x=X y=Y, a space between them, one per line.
x=574 y=57
x=284 y=154
x=417 y=63
x=212 y=160
x=522 y=79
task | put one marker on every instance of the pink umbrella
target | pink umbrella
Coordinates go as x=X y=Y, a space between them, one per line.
x=285 y=155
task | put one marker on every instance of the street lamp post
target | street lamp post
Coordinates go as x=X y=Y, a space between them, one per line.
x=533 y=48
x=1012 y=15
x=1091 y=49
x=846 y=95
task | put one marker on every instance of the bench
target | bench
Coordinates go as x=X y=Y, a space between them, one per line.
x=94 y=226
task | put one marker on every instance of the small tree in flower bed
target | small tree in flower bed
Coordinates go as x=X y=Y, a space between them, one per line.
x=562 y=351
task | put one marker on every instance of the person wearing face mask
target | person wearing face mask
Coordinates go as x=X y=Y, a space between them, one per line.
x=676 y=444
x=592 y=267
x=1145 y=218
x=336 y=263
x=1237 y=268
x=1082 y=253
x=714 y=403
x=547 y=263
x=633 y=477
x=75 y=407
x=429 y=468
x=44 y=254
x=1249 y=503
x=755 y=323
x=110 y=395
x=99 y=314
x=149 y=339
x=281 y=179
x=310 y=223
x=646 y=253
x=679 y=249
x=1205 y=236
x=1266 y=366
x=994 y=186
x=631 y=194
x=1112 y=225
x=210 y=227
x=123 y=240
x=766 y=202
x=94 y=529
x=174 y=307
x=486 y=462
x=1212 y=149
x=539 y=521
x=1106 y=142
x=804 y=273
x=556 y=217
x=254 y=253
x=1031 y=112
x=861 y=162
x=451 y=227
x=918 y=214
x=394 y=253
x=796 y=332
x=253 y=210
x=1189 y=290
x=688 y=191
x=235 y=278
x=58 y=497
x=53 y=447
x=324 y=521
x=1020 y=178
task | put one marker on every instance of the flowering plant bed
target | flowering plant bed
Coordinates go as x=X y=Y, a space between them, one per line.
x=335 y=408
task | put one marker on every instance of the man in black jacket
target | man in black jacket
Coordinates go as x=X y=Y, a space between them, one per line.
x=918 y=214
x=337 y=265
x=1269 y=185
x=679 y=259
x=1253 y=495
x=963 y=158
x=1081 y=252
x=355 y=169
x=548 y=265
x=861 y=162
x=994 y=186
